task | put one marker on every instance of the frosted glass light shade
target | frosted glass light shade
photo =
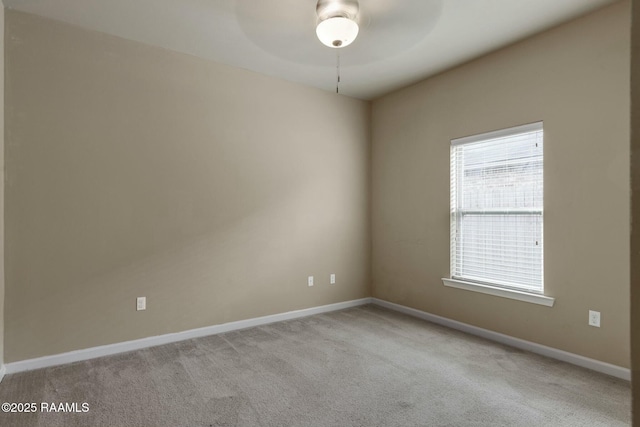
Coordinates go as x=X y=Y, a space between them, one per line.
x=337 y=32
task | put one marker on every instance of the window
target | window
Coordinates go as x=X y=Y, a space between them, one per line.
x=497 y=209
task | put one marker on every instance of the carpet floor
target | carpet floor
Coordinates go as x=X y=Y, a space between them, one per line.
x=365 y=366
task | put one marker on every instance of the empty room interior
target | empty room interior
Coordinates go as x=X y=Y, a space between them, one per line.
x=316 y=213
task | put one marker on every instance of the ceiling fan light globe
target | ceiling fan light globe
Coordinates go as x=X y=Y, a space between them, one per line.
x=337 y=32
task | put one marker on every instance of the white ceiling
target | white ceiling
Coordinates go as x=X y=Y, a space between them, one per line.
x=400 y=41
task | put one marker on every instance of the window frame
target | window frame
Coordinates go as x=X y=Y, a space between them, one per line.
x=524 y=293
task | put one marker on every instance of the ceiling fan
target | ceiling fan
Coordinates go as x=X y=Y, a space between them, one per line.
x=355 y=33
x=289 y=29
x=337 y=26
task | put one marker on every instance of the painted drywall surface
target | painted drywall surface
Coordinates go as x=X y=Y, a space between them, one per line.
x=575 y=78
x=635 y=210
x=136 y=171
x=1 y=183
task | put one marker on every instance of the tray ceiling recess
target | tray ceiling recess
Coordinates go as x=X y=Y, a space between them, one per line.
x=399 y=42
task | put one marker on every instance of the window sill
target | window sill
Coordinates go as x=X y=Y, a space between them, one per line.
x=500 y=292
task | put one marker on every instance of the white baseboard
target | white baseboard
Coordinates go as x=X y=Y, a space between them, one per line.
x=565 y=356
x=107 y=350
x=122 y=347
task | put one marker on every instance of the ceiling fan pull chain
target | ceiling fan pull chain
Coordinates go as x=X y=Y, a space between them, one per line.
x=337 y=72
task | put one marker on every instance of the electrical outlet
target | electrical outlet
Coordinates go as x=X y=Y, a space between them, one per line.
x=141 y=303
x=332 y=279
x=594 y=318
x=310 y=281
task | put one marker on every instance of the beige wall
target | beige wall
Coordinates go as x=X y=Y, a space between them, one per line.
x=136 y=171
x=576 y=79
x=1 y=183
x=635 y=210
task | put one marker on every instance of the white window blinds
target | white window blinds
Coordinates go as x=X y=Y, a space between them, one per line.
x=497 y=208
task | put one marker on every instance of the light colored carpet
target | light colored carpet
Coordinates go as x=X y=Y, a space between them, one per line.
x=365 y=366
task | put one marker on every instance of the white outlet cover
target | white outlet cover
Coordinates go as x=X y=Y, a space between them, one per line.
x=141 y=303
x=310 y=281
x=332 y=279
x=594 y=318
